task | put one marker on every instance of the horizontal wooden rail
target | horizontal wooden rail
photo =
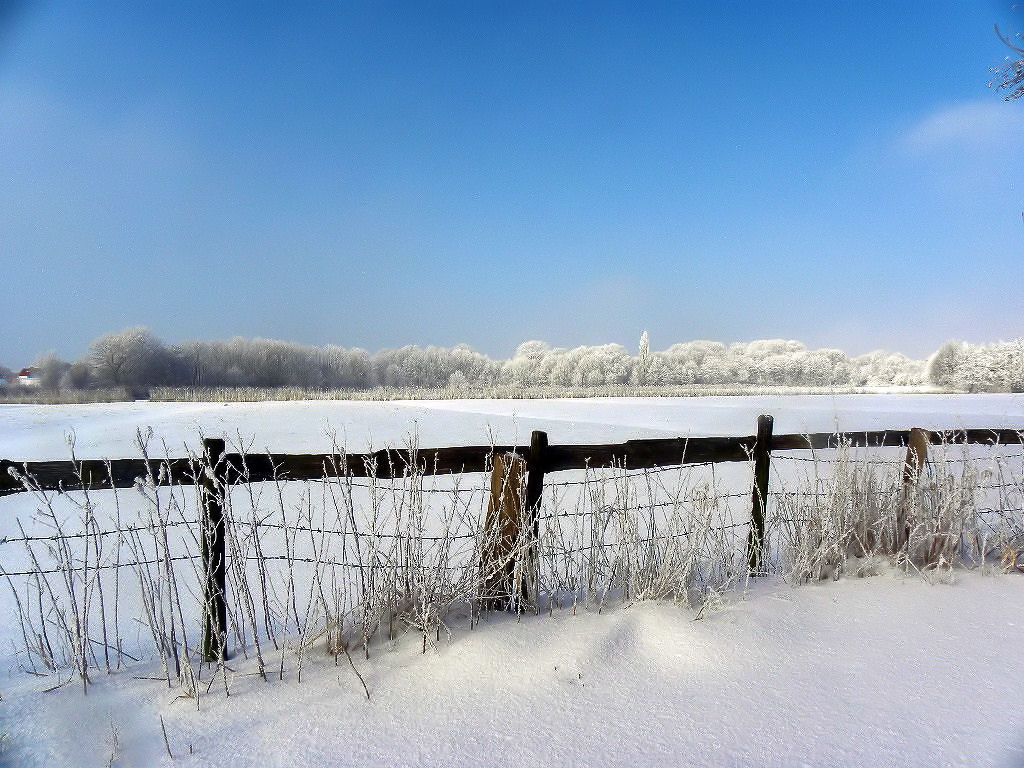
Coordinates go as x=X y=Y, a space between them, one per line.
x=895 y=438
x=95 y=474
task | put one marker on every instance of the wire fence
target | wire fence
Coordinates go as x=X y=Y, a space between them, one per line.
x=565 y=499
x=96 y=577
x=558 y=503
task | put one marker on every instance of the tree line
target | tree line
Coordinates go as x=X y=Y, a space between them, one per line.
x=136 y=359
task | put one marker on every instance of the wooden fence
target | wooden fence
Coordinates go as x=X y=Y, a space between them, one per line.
x=216 y=469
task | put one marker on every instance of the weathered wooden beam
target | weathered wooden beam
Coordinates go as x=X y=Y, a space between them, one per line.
x=535 y=467
x=385 y=463
x=96 y=474
x=215 y=611
x=8 y=484
x=504 y=533
x=759 y=494
x=977 y=436
x=646 y=454
x=535 y=460
x=895 y=438
x=879 y=439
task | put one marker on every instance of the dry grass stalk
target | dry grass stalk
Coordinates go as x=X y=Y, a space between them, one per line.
x=354 y=562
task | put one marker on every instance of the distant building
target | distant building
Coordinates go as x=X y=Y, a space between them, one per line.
x=28 y=377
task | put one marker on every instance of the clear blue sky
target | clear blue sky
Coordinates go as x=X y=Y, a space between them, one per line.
x=434 y=173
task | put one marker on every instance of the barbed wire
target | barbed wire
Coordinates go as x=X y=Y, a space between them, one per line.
x=300 y=528
x=894 y=490
x=378 y=485
x=102 y=567
x=412 y=484
x=895 y=461
x=343 y=564
x=773 y=522
x=604 y=545
x=195 y=557
x=777 y=519
x=103 y=533
x=624 y=473
x=655 y=505
x=360 y=534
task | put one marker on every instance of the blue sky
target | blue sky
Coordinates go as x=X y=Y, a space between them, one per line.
x=379 y=175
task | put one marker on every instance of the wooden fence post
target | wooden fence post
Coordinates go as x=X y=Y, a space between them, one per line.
x=503 y=532
x=917 y=455
x=510 y=558
x=534 y=491
x=215 y=610
x=759 y=503
x=535 y=478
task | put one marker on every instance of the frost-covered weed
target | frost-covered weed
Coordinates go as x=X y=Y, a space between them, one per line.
x=497 y=391
x=857 y=510
x=647 y=535
x=349 y=564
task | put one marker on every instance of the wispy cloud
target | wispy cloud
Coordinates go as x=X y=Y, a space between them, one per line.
x=972 y=125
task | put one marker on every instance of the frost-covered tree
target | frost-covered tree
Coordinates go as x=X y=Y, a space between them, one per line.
x=77 y=376
x=826 y=368
x=995 y=367
x=941 y=368
x=1015 y=380
x=134 y=357
x=773 y=370
x=641 y=373
x=50 y=370
x=524 y=367
x=644 y=350
x=1009 y=77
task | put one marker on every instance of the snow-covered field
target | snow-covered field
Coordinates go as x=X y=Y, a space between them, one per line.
x=873 y=672
x=878 y=671
x=33 y=432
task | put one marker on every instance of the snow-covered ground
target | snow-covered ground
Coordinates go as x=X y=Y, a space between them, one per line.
x=879 y=671
x=107 y=430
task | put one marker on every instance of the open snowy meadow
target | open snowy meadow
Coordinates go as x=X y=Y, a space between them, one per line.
x=834 y=664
